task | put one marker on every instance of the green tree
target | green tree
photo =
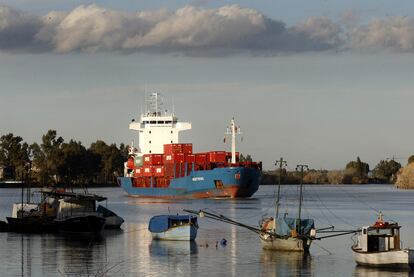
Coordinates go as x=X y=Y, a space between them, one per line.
x=386 y=170
x=72 y=169
x=112 y=160
x=48 y=157
x=246 y=158
x=356 y=172
x=14 y=153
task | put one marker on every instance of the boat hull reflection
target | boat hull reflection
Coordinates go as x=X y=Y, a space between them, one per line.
x=167 y=248
x=286 y=263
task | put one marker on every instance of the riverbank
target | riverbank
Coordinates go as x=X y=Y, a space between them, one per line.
x=18 y=184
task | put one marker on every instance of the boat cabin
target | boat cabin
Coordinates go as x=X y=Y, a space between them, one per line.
x=380 y=237
x=162 y=223
x=74 y=204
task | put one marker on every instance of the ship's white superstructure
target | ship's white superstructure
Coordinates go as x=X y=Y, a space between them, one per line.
x=157 y=127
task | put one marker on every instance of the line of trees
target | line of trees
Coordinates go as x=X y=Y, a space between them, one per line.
x=355 y=172
x=56 y=161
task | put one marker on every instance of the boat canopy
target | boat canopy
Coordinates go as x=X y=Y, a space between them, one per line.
x=162 y=223
x=285 y=225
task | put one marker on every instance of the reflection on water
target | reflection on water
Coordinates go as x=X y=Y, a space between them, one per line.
x=381 y=272
x=171 y=248
x=173 y=257
x=41 y=255
x=280 y=263
x=132 y=252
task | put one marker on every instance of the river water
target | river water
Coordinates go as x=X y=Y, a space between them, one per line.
x=131 y=252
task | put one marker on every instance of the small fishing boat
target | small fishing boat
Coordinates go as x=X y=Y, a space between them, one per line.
x=286 y=233
x=77 y=213
x=379 y=246
x=33 y=217
x=112 y=220
x=173 y=227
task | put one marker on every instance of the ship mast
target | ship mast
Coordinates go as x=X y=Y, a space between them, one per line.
x=233 y=130
x=281 y=164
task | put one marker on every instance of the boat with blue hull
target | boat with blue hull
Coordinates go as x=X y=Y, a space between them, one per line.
x=218 y=182
x=173 y=227
x=162 y=167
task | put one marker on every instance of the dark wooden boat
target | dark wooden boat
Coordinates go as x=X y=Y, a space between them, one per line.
x=31 y=224
x=77 y=213
x=86 y=224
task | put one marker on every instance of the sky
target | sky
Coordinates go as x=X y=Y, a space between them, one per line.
x=315 y=82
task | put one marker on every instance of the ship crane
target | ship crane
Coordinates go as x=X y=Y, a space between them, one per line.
x=233 y=130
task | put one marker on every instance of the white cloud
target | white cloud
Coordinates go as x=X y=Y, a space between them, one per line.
x=193 y=31
x=395 y=33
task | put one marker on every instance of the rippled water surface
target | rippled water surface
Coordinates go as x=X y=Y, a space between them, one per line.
x=131 y=252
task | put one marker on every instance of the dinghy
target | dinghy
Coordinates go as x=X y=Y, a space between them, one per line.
x=173 y=227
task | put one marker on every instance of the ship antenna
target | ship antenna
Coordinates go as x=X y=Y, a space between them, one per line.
x=156 y=103
x=145 y=101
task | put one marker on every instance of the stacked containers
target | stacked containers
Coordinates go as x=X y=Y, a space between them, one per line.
x=175 y=148
x=138 y=161
x=158 y=170
x=153 y=159
x=200 y=161
x=217 y=157
x=147 y=171
x=190 y=159
x=176 y=156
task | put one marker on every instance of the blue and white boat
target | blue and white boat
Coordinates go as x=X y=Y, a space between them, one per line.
x=173 y=227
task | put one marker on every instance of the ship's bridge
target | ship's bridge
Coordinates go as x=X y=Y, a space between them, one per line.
x=156 y=129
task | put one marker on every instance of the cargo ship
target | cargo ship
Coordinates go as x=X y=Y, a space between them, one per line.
x=162 y=167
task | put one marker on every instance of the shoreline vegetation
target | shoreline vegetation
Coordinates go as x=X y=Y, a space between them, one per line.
x=355 y=172
x=56 y=162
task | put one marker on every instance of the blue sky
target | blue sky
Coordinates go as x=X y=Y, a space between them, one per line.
x=319 y=91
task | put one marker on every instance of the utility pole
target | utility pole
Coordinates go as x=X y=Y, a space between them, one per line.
x=301 y=168
x=281 y=164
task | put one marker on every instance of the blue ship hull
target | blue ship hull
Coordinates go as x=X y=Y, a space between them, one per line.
x=219 y=182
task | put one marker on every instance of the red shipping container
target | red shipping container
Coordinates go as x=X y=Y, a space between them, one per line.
x=217 y=157
x=153 y=159
x=174 y=158
x=158 y=170
x=169 y=170
x=130 y=163
x=138 y=172
x=187 y=148
x=173 y=148
x=190 y=167
x=201 y=158
x=139 y=182
x=190 y=158
x=147 y=171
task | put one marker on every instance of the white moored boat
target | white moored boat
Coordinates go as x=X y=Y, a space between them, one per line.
x=379 y=246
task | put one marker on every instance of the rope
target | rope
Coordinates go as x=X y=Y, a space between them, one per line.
x=365 y=203
x=333 y=214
